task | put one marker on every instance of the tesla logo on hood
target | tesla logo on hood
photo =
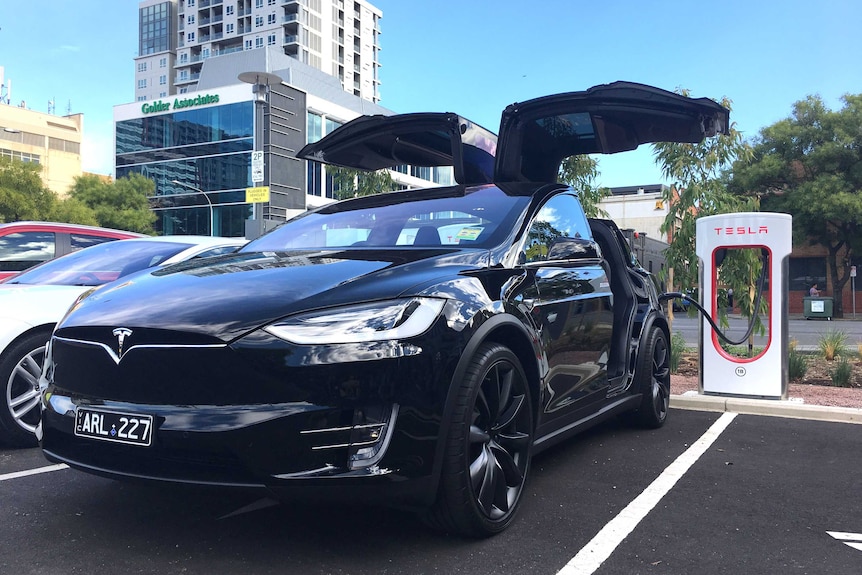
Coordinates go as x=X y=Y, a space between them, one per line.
x=121 y=333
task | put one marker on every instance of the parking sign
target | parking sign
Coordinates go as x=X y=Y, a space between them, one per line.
x=257 y=166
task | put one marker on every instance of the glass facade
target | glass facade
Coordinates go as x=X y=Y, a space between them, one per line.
x=155 y=23
x=200 y=161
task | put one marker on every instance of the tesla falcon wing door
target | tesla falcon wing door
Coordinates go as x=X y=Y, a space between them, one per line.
x=421 y=139
x=536 y=135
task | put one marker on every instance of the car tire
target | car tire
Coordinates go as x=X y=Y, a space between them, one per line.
x=652 y=380
x=20 y=367
x=487 y=451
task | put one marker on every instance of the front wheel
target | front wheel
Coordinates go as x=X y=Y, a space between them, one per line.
x=487 y=453
x=652 y=380
x=20 y=368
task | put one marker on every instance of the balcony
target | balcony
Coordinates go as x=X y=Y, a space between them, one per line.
x=187 y=79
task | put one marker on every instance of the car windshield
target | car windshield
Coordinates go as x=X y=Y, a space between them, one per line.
x=100 y=264
x=476 y=219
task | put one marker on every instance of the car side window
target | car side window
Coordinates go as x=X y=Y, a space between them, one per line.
x=81 y=241
x=561 y=217
x=21 y=250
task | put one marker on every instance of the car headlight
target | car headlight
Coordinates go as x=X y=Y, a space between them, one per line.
x=378 y=321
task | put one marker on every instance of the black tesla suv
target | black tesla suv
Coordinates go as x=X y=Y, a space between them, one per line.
x=413 y=348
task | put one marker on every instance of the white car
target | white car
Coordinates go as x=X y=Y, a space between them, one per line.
x=35 y=300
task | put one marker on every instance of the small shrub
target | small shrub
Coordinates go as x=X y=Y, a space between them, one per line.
x=797 y=364
x=842 y=373
x=677 y=348
x=832 y=344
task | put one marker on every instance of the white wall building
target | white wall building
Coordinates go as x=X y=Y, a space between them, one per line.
x=640 y=208
x=338 y=37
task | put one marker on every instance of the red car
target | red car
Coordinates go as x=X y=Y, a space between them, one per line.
x=25 y=244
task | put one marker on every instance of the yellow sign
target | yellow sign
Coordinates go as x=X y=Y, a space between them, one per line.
x=257 y=195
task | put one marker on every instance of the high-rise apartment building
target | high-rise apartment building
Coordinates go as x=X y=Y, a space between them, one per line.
x=338 y=37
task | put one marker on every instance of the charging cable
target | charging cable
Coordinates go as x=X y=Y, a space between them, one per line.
x=760 y=281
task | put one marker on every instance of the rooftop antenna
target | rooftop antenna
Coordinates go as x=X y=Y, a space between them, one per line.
x=69 y=108
x=51 y=106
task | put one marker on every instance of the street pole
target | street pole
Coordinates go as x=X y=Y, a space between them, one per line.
x=200 y=191
x=260 y=87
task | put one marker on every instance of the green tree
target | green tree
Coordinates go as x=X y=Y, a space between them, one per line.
x=121 y=204
x=72 y=211
x=23 y=196
x=581 y=172
x=351 y=183
x=810 y=166
x=699 y=176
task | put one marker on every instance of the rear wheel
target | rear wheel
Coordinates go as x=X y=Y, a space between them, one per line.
x=20 y=368
x=652 y=380
x=487 y=455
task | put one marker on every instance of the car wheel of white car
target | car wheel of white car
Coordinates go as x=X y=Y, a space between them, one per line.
x=20 y=367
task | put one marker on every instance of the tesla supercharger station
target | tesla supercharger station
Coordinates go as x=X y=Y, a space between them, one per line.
x=764 y=375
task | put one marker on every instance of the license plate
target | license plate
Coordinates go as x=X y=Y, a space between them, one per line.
x=128 y=428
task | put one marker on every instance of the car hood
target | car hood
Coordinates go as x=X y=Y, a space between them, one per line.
x=240 y=293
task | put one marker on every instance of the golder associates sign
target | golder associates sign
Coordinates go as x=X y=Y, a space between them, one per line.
x=179 y=104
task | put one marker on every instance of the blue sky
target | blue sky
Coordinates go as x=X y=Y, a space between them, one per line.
x=474 y=57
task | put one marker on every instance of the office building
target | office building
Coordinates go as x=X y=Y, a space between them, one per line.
x=53 y=142
x=197 y=147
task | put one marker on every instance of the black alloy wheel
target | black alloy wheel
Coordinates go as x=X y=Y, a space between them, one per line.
x=653 y=380
x=20 y=368
x=488 y=446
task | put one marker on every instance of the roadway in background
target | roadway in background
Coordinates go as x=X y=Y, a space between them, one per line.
x=807 y=333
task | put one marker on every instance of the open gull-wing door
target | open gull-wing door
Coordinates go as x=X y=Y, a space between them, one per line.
x=536 y=135
x=421 y=139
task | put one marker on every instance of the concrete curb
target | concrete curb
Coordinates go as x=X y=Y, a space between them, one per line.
x=775 y=408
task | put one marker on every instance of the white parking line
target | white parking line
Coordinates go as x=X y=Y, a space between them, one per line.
x=36 y=471
x=608 y=539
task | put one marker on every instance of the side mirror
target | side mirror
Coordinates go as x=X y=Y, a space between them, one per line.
x=573 y=249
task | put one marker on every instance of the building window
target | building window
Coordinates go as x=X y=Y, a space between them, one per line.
x=190 y=20
x=228 y=29
x=270 y=40
x=804 y=272
x=163 y=94
x=163 y=63
x=184 y=90
x=258 y=42
x=142 y=66
x=270 y=19
x=163 y=79
x=248 y=44
x=154 y=29
x=228 y=10
x=270 y=2
x=190 y=36
x=314 y=128
x=258 y=21
x=142 y=84
x=258 y=3
x=191 y=3
x=142 y=98
x=184 y=58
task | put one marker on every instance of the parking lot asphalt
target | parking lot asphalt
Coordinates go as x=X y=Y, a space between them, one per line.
x=767 y=495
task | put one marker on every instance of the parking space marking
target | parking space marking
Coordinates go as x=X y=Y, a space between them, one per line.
x=38 y=470
x=594 y=553
x=854 y=540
